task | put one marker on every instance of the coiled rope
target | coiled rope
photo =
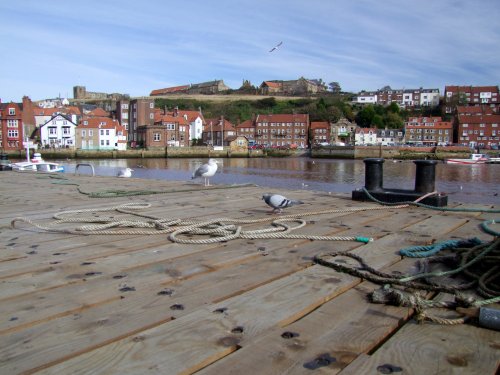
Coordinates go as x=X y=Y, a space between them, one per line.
x=181 y=231
x=477 y=262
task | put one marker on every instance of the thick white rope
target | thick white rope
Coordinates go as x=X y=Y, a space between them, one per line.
x=219 y=229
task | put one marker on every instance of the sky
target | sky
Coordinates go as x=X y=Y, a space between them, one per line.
x=134 y=47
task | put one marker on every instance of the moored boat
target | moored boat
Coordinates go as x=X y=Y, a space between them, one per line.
x=37 y=164
x=474 y=159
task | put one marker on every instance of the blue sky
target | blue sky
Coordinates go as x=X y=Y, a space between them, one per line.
x=134 y=47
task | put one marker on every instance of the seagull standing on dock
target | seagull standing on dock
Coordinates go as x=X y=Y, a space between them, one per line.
x=127 y=172
x=206 y=171
x=278 y=202
x=276 y=47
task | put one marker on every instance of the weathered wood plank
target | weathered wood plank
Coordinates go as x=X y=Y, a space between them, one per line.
x=328 y=339
x=434 y=349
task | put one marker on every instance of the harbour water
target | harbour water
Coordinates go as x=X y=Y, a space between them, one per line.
x=463 y=183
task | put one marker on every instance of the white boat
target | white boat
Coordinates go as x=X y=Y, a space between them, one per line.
x=474 y=159
x=37 y=164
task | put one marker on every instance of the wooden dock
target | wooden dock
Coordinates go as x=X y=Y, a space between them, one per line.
x=135 y=303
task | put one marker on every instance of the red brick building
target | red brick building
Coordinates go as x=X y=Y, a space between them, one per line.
x=168 y=130
x=478 y=127
x=218 y=132
x=471 y=96
x=282 y=130
x=247 y=130
x=429 y=131
x=320 y=132
x=11 y=127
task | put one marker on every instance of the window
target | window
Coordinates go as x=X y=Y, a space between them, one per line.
x=83 y=133
x=151 y=105
x=12 y=133
x=156 y=137
x=107 y=131
x=12 y=111
x=91 y=133
x=12 y=123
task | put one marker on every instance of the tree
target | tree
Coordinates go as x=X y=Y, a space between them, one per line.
x=393 y=121
x=393 y=107
x=365 y=116
x=378 y=121
x=335 y=87
x=247 y=87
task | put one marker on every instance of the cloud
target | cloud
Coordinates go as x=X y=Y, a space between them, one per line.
x=124 y=46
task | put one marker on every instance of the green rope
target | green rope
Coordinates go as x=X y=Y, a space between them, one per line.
x=449 y=209
x=482 y=254
x=128 y=193
x=426 y=251
x=487 y=229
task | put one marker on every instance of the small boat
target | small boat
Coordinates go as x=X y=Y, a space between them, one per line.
x=474 y=159
x=37 y=164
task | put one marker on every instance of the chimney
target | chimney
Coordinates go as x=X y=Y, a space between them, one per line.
x=176 y=111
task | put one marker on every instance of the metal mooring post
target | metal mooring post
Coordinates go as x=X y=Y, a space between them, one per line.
x=425 y=176
x=374 y=174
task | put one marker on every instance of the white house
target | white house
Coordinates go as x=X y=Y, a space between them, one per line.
x=101 y=133
x=365 y=136
x=366 y=98
x=59 y=131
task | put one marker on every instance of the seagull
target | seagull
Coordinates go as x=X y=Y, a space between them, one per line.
x=276 y=47
x=278 y=202
x=127 y=172
x=206 y=171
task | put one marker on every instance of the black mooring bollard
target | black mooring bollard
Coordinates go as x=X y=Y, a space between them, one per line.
x=424 y=183
x=374 y=174
x=425 y=176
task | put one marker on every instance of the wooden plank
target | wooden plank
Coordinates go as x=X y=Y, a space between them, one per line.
x=96 y=320
x=198 y=293
x=434 y=349
x=289 y=312
x=328 y=339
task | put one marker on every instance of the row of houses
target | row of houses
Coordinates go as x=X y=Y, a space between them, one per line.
x=137 y=123
x=453 y=96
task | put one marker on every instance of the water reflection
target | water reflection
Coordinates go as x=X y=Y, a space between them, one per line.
x=463 y=183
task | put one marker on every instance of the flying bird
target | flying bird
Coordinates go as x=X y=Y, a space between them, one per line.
x=276 y=47
x=278 y=202
x=206 y=171
x=127 y=172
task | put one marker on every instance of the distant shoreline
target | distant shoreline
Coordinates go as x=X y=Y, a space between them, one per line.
x=331 y=152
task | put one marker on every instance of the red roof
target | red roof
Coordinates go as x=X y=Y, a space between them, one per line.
x=172 y=119
x=475 y=110
x=471 y=89
x=98 y=112
x=275 y=85
x=169 y=90
x=219 y=124
x=320 y=125
x=283 y=118
x=100 y=122
x=247 y=124
x=480 y=119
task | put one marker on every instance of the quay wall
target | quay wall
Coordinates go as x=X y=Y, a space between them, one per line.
x=329 y=152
